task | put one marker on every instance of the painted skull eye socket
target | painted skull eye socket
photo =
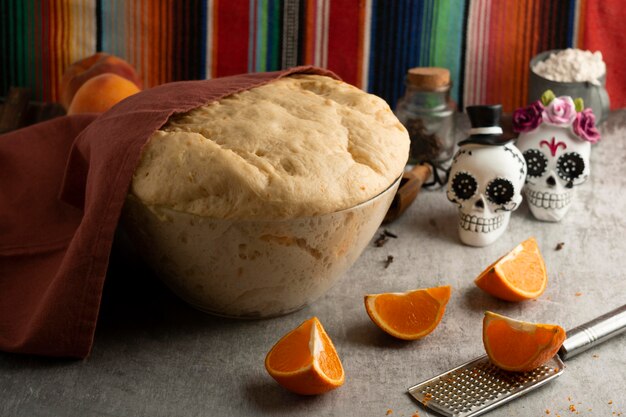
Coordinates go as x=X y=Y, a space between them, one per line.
x=464 y=185
x=500 y=191
x=570 y=166
x=536 y=162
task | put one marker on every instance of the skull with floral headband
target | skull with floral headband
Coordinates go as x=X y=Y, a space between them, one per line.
x=555 y=138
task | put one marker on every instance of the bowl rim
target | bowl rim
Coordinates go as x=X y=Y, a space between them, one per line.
x=263 y=219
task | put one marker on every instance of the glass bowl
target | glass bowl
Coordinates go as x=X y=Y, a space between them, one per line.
x=252 y=268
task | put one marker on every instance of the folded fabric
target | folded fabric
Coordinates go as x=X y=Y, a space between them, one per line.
x=62 y=188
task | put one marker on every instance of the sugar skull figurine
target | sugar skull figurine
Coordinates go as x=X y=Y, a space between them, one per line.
x=555 y=138
x=486 y=178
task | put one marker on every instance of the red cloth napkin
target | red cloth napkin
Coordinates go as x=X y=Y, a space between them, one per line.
x=62 y=188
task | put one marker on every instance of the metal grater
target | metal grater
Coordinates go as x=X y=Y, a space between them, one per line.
x=478 y=386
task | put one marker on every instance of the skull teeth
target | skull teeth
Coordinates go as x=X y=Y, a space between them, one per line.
x=549 y=200
x=477 y=224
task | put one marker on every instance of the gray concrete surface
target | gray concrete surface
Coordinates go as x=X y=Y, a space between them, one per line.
x=154 y=356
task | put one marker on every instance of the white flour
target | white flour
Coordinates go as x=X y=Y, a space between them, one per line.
x=572 y=65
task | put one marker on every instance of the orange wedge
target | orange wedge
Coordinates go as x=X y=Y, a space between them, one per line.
x=518 y=345
x=517 y=276
x=305 y=361
x=409 y=315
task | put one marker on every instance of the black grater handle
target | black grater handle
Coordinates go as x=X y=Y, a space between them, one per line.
x=593 y=332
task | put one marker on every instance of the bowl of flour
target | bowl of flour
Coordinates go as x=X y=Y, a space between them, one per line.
x=571 y=72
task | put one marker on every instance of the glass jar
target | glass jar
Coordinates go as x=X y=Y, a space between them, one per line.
x=428 y=114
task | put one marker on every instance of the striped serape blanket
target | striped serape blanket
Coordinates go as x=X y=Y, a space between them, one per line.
x=486 y=44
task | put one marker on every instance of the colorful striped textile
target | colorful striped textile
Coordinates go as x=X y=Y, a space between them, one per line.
x=406 y=34
x=502 y=37
x=486 y=44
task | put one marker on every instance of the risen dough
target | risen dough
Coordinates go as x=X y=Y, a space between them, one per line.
x=298 y=146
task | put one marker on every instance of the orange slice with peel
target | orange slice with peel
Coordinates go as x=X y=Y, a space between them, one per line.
x=517 y=276
x=409 y=315
x=518 y=345
x=305 y=360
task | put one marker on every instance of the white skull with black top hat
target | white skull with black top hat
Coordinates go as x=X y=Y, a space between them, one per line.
x=486 y=178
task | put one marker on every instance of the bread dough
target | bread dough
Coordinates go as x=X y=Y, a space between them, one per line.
x=299 y=146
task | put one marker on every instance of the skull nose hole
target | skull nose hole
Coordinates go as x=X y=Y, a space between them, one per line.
x=480 y=204
x=551 y=181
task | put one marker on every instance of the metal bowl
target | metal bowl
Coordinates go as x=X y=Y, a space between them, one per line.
x=594 y=96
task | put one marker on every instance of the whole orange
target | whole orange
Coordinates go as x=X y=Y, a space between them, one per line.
x=100 y=93
x=85 y=69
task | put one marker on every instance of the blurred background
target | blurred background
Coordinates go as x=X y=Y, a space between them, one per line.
x=485 y=44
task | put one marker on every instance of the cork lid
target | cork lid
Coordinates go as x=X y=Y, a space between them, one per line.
x=429 y=78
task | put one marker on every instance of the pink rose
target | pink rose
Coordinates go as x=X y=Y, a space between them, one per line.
x=528 y=118
x=561 y=111
x=585 y=126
